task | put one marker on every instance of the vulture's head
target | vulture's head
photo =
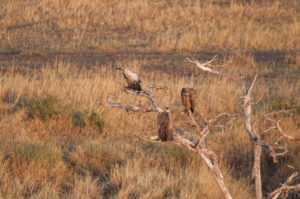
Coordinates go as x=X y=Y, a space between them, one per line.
x=121 y=68
x=167 y=109
x=184 y=90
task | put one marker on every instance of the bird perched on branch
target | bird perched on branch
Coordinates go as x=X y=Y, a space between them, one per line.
x=164 y=122
x=188 y=97
x=131 y=77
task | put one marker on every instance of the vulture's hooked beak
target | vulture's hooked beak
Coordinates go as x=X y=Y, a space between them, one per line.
x=120 y=68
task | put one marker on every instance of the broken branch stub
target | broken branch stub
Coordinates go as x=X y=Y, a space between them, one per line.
x=209 y=157
x=286 y=187
x=247 y=106
x=132 y=108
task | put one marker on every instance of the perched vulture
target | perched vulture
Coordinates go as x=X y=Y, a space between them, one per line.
x=188 y=97
x=131 y=77
x=164 y=122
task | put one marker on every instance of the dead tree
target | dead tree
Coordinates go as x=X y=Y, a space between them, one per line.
x=286 y=187
x=180 y=138
x=247 y=103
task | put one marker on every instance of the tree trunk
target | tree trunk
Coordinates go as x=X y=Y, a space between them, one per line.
x=256 y=173
x=217 y=174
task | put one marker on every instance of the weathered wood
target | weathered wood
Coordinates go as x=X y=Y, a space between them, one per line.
x=247 y=106
x=285 y=188
x=132 y=108
x=256 y=172
x=209 y=157
x=211 y=160
x=280 y=130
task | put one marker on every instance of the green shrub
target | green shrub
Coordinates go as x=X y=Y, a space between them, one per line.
x=78 y=119
x=44 y=109
x=97 y=121
x=27 y=153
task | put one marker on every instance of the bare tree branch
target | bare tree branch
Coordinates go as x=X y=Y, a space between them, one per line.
x=279 y=130
x=226 y=124
x=209 y=157
x=210 y=124
x=128 y=107
x=147 y=94
x=194 y=123
x=285 y=188
x=257 y=101
x=155 y=87
x=247 y=113
x=204 y=67
x=247 y=106
x=271 y=114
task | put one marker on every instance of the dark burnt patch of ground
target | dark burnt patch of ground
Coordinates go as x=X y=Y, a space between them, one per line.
x=276 y=62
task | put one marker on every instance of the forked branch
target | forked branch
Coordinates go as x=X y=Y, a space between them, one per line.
x=276 y=126
x=247 y=106
x=128 y=107
x=133 y=108
x=204 y=67
x=209 y=124
x=286 y=187
x=209 y=157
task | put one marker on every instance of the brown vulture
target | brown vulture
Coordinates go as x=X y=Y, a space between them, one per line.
x=188 y=97
x=164 y=122
x=131 y=77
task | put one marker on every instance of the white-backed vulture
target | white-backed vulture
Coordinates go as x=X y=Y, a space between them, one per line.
x=188 y=97
x=131 y=77
x=164 y=123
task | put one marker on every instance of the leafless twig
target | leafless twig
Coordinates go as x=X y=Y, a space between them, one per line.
x=286 y=187
x=247 y=106
x=209 y=157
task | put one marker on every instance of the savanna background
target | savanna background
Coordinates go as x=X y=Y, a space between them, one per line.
x=57 y=62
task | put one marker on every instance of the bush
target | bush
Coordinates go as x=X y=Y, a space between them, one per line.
x=97 y=121
x=24 y=154
x=78 y=119
x=43 y=108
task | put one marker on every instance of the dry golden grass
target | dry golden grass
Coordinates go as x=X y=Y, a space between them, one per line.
x=57 y=141
x=44 y=153
x=149 y=26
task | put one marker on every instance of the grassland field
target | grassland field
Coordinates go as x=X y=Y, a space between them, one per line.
x=57 y=62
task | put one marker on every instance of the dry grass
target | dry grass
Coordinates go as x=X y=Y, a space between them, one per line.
x=57 y=141
x=149 y=26
x=53 y=157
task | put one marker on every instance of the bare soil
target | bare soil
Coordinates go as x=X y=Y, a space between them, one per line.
x=176 y=64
